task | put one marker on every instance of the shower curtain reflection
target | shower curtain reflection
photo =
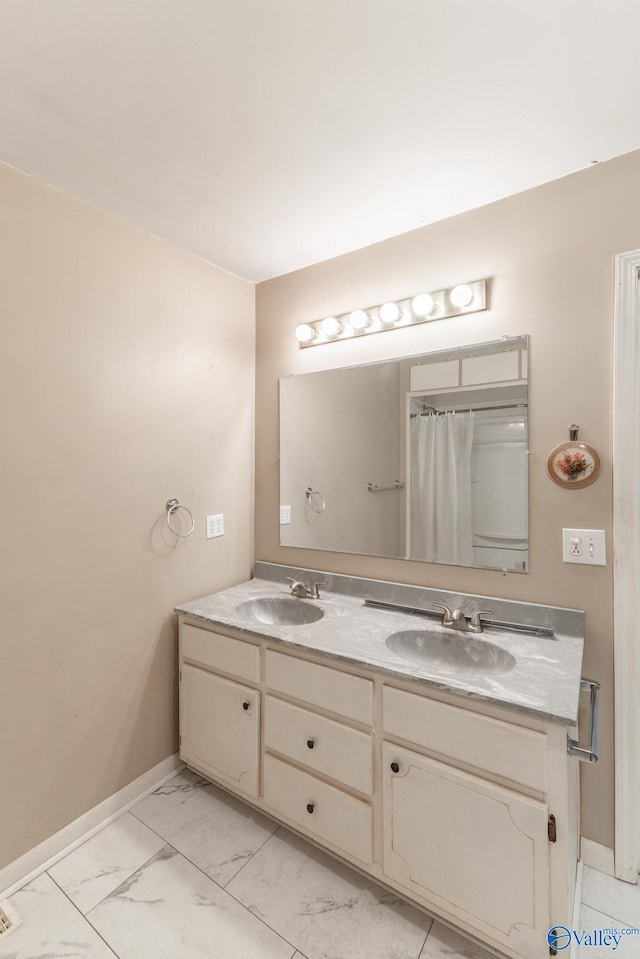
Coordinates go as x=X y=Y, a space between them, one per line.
x=440 y=528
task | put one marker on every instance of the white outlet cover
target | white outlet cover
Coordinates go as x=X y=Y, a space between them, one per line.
x=285 y=515
x=585 y=546
x=215 y=525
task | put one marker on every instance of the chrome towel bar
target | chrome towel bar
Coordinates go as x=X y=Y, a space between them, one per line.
x=588 y=753
x=373 y=488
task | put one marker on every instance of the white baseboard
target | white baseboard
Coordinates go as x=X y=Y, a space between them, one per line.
x=597 y=856
x=41 y=857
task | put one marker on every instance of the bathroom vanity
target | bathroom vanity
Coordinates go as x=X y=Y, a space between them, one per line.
x=435 y=763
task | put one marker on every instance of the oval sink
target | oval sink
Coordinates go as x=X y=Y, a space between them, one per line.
x=452 y=650
x=280 y=611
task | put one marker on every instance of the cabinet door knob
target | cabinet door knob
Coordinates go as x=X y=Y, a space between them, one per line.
x=309 y=807
x=310 y=743
x=245 y=706
x=395 y=767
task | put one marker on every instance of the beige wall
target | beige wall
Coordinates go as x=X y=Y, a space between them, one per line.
x=549 y=256
x=126 y=377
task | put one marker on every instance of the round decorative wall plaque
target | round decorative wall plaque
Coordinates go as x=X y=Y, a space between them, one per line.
x=573 y=465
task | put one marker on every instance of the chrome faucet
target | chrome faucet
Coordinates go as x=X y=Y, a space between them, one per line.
x=458 y=620
x=302 y=591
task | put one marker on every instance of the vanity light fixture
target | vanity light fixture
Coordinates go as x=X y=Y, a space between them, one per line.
x=396 y=314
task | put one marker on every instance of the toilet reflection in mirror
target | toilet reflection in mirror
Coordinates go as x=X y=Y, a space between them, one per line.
x=421 y=458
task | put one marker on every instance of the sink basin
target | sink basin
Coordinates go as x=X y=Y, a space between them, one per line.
x=280 y=611
x=457 y=651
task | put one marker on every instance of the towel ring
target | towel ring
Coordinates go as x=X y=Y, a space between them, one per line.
x=317 y=504
x=172 y=507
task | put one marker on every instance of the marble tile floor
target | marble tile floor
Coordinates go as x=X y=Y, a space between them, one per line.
x=192 y=873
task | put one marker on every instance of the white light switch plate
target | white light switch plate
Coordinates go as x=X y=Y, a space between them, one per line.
x=285 y=515
x=585 y=546
x=215 y=525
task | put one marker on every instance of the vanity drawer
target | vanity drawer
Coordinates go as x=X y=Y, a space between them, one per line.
x=497 y=747
x=322 y=744
x=221 y=652
x=330 y=689
x=319 y=809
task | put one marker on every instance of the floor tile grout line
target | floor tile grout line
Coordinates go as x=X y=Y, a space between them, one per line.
x=607 y=915
x=84 y=917
x=217 y=884
x=184 y=855
x=263 y=921
x=605 y=910
x=251 y=857
x=126 y=879
x=231 y=896
x=297 y=949
x=424 y=941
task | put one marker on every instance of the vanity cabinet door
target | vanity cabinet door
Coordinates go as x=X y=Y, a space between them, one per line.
x=219 y=728
x=475 y=850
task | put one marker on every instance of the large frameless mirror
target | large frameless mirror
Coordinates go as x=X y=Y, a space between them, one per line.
x=421 y=458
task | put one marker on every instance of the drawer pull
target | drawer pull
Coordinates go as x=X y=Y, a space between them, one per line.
x=245 y=706
x=310 y=743
x=395 y=767
x=310 y=807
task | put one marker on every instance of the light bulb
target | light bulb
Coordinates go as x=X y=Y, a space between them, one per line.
x=390 y=313
x=461 y=295
x=305 y=333
x=422 y=304
x=359 y=320
x=331 y=326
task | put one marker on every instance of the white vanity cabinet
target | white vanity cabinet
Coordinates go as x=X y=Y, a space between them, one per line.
x=467 y=809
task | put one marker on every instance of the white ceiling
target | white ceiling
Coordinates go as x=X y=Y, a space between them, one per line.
x=265 y=135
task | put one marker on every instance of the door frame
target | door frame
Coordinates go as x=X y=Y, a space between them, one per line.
x=626 y=562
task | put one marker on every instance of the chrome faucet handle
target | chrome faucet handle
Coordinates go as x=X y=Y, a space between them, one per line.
x=447 y=618
x=475 y=626
x=297 y=588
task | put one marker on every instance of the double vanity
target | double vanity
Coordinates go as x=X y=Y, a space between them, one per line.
x=433 y=758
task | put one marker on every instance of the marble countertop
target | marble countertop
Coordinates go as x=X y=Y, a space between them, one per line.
x=545 y=681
